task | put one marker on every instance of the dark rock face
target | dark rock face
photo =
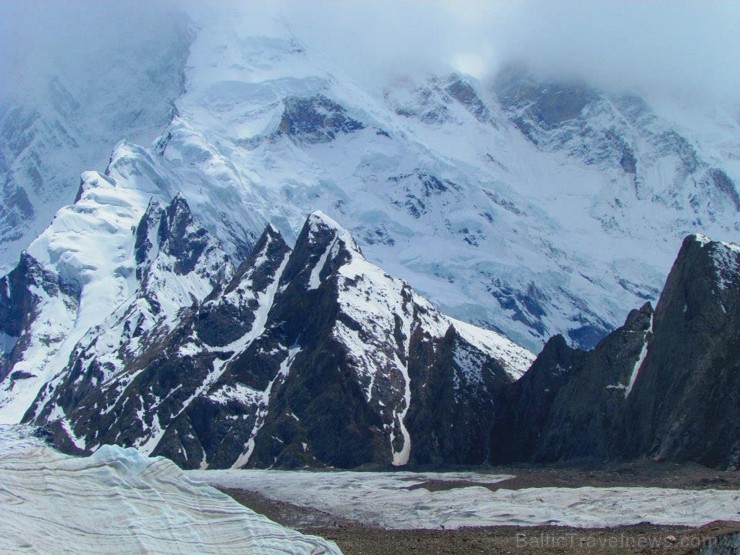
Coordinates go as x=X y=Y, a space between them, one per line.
x=465 y=94
x=590 y=405
x=450 y=424
x=722 y=184
x=21 y=292
x=316 y=120
x=219 y=323
x=548 y=105
x=423 y=192
x=684 y=405
x=304 y=357
x=665 y=385
x=522 y=415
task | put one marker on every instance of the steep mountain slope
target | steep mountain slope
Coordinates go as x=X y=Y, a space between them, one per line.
x=551 y=205
x=88 y=269
x=310 y=356
x=65 y=118
x=686 y=392
x=664 y=385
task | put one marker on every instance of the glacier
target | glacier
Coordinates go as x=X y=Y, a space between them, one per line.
x=119 y=501
x=390 y=500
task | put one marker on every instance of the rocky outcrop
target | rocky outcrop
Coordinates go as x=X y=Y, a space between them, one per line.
x=316 y=119
x=176 y=264
x=22 y=293
x=666 y=385
x=684 y=405
x=310 y=356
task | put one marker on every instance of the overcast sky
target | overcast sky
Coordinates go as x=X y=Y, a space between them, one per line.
x=690 y=48
x=669 y=45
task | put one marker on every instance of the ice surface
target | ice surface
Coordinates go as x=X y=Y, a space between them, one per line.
x=119 y=501
x=7 y=342
x=385 y=499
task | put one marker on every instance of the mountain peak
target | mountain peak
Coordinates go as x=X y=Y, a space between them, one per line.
x=322 y=246
x=319 y=223
x=718 y=262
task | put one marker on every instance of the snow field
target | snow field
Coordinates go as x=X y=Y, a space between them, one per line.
x=384 y=499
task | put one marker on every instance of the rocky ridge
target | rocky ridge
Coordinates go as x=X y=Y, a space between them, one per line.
x=306 y=356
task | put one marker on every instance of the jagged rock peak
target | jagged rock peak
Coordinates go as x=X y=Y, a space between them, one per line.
x=173 y=231
x=665 y=385
x=258 y=269
x=319 y=224
x=704 y=280
x=691 y=359
x=639 y=319
x=724 y=257
x=322 y=247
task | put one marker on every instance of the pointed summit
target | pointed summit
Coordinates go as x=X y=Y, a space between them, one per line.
x=704 y=279
x=318 y=224
x=269 y=246
x=322 y=247
x=259 y=268
x=692 y=360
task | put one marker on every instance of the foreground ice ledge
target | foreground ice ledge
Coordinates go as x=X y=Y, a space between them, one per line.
x=119 y=501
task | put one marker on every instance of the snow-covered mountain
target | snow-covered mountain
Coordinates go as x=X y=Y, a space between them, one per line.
x=305 y=356
x=551 y=205
x=184 y=299
x=115 y=259
x=56 y=123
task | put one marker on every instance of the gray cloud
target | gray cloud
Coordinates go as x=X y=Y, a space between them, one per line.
x=656 y=46
x=75 y=37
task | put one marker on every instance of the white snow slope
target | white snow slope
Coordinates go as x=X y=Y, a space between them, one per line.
x=384 y=499
x=531 y=237
x=119 y=501
x=89 y=243
x=64 y=118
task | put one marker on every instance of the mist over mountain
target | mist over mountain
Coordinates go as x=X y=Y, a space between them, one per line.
x=476 y=107
x=526 y=170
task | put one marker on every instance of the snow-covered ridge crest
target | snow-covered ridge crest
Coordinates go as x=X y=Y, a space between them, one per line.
x=88 y=244
x=135 y=258
x=214 y=383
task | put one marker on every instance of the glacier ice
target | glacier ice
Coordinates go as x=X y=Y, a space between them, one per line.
x=119 y=501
